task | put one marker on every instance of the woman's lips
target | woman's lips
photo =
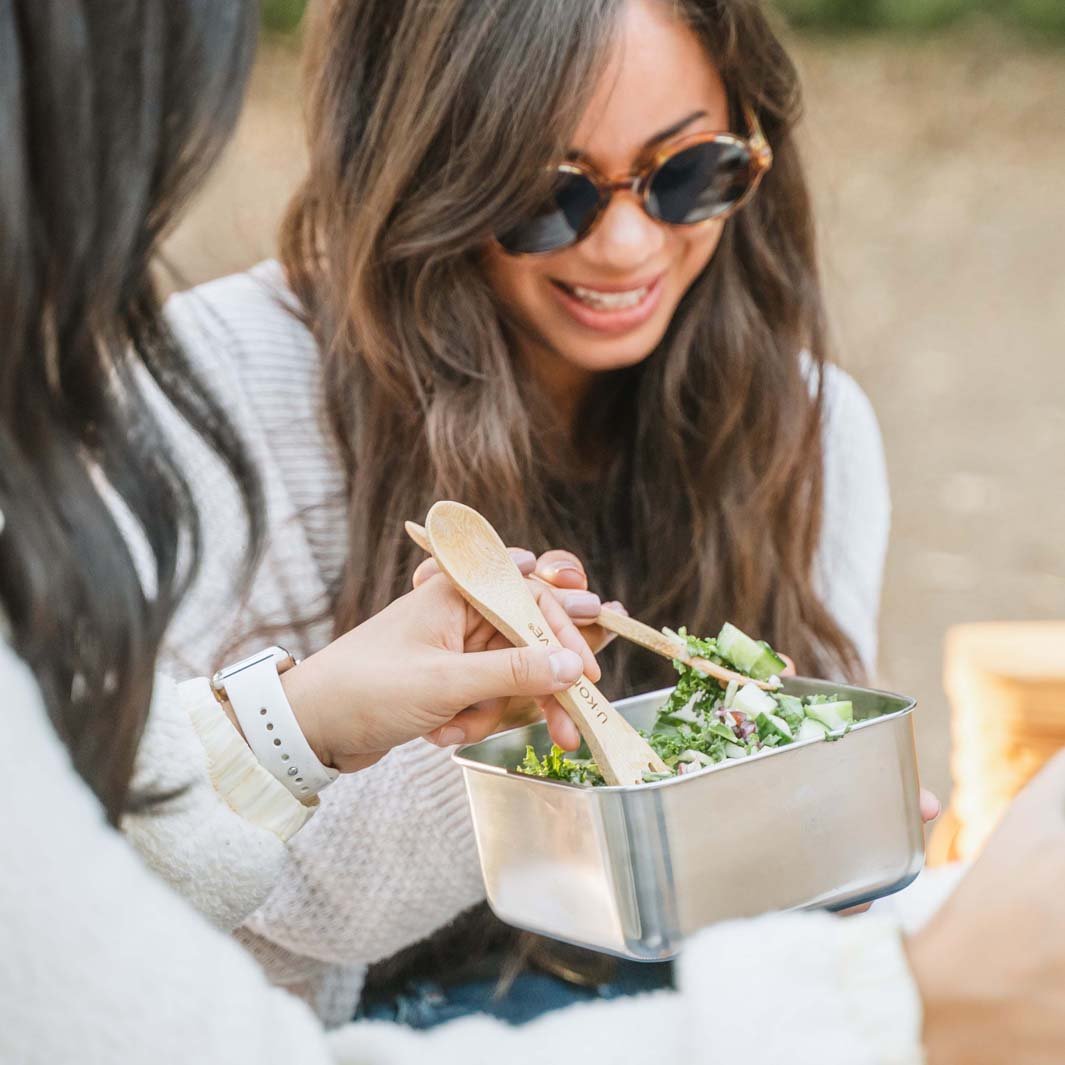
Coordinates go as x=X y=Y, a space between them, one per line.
x=610 y=310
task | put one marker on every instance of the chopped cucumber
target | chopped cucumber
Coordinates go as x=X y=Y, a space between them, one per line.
x=696 y=756
x=833 y=716
x=790 y=710
x=753 y=701
x=811 y=730
x=771 y=727
x=753 y=657
x=789 y=703
x=781 y=725
x=734 y=750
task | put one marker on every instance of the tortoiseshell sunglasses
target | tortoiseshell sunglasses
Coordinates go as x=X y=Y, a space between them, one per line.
x=698 y=179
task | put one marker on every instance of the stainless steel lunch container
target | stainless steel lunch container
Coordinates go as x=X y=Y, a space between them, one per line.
x=634 y=870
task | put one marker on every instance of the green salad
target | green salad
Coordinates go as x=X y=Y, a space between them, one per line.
x=705 y=722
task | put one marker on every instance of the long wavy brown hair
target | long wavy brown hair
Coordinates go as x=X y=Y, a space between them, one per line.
x=431 y=126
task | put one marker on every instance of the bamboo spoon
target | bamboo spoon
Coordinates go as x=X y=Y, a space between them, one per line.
x=637 y=632
x=475 y=559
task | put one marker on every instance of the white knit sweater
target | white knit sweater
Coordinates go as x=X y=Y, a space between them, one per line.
x=391 y=855
x=102 y=964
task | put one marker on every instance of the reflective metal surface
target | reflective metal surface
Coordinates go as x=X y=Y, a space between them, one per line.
x=633 y=870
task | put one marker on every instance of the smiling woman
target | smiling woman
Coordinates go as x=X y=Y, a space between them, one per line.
x=606 y=302
x=566 y=275
x=643 y=354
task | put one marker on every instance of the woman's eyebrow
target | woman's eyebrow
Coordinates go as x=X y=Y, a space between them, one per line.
x=673 y=130
x=574 y=154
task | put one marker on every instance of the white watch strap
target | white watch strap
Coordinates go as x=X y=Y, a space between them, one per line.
x=253 y=688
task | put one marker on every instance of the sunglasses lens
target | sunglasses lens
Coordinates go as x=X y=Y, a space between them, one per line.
x=700 y=182
x=560 y=221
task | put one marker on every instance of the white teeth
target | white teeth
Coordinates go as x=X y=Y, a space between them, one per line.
x=610 y=301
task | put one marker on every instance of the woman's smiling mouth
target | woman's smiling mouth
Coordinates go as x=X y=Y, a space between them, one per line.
x=610 y=308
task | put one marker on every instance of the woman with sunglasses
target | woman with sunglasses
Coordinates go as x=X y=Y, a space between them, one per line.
x=566 y=274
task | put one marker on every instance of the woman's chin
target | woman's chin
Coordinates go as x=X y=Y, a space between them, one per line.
x=601 y=357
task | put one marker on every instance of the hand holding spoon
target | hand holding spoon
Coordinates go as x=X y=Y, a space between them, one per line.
x=637 y=632
x=469 y=551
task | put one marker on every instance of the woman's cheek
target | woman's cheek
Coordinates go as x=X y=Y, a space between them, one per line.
x=700 y=244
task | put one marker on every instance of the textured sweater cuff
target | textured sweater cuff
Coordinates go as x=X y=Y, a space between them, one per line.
x=841 y=989
x=237 y=775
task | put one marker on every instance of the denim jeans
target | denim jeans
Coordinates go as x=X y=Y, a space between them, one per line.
x=425 y=1004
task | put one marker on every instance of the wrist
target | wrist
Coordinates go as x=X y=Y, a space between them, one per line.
x=252 y=694
x=320 y=692
x=303 y=691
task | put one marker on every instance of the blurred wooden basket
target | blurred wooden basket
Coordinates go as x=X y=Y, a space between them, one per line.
x=1006 y=685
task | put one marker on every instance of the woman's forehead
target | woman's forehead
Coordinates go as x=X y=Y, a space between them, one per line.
x=657 y=76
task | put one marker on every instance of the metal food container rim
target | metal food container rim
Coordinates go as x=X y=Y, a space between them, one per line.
x=737 y=763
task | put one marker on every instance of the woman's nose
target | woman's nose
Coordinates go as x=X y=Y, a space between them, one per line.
x=626 y=237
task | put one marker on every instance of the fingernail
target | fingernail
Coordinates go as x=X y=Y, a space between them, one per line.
x=522 y=557
x=582 y=604
x=618 y=608
x=449 y=736
x=555 y=568
x=566 y=666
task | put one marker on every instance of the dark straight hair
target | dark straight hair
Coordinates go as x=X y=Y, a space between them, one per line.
x=111 y=111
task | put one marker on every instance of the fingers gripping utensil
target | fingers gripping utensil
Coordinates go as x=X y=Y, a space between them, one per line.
x=628 y=628
x=475 y=559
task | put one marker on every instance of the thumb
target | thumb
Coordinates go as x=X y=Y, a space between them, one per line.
x=534 y=671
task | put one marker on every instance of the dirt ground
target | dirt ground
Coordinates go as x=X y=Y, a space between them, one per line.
x=940 y=172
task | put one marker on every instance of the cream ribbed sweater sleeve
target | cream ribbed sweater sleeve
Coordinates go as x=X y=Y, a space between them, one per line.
x=223 y=856
x=101 y=962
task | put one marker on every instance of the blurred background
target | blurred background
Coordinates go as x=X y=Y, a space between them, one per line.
x=936 y=141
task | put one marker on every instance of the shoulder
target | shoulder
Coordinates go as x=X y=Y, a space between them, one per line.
x=246 y=342
x=855 y=465
x=853 y=449
x=856 y=508
x=259 y=296
x=849 y=417
x=249 y=323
